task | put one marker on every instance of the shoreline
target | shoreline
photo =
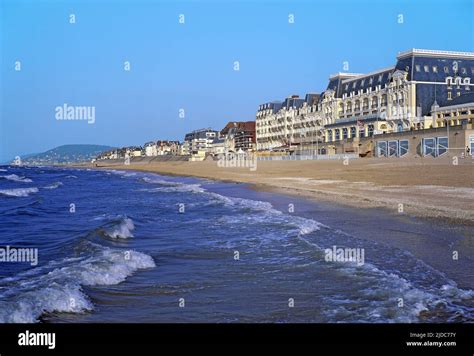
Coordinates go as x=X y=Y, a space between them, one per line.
x=364 y=220
x=446 y=197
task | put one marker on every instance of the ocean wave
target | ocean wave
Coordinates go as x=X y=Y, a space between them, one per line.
x=54 y=185
x=156 y=180
x=3 y=170
x=122 y=229
x=381 y=292
x=266 y=213
x=184 y=188
x=15 y=178
x=123 y=173
x=61 y=289
x=18 y=192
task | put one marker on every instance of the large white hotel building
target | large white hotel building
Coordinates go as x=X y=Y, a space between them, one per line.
x=407 y=96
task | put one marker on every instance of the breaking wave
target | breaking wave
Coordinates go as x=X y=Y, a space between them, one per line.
x=54 y=185
x=15 y=178
x=60 y=290
x=19 y=192
x=121 y=229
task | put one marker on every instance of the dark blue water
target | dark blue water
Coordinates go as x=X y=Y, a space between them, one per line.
x=129 y=253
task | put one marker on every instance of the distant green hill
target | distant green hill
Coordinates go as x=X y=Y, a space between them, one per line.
x=65 y=154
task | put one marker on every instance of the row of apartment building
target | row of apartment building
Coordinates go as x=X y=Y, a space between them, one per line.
x=149 y=149
x=235 y=137
x=368 y=114
x=425 y=89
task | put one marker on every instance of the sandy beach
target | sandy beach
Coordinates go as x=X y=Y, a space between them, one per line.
x=433 y=188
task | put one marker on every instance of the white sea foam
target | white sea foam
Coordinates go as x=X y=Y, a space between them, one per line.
x=384 y=290
x=265 y=213
x=122 y=230
x=54 y=185
x=123 y=173
x=156 y=180
x=185 y=188
x=19 y=192
x=61 y=289
x=3 y=170
x=15 y=178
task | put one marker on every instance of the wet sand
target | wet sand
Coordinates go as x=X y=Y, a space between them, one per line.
x=423 y=187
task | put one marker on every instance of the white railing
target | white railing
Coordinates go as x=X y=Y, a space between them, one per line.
x=308 y=157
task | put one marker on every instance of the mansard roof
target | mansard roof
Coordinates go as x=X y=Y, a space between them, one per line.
x=434 y=66
x=273 y=105
x=421 y=65
x=366 y=81
x=435 y=53
x=459 y=100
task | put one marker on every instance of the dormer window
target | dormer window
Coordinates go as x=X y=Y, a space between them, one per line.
x=435 y=69
x=417 y=68
x=463 y=71
x=362 y=82
x=371 y=80
x=353 y=85
x=380 y=78
x=426 y=68
x=446 y=70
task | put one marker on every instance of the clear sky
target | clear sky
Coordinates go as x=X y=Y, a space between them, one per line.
x=190 y=66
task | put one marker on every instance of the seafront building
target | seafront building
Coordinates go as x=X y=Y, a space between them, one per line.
x=198 y=143
x=239 y=136
x=424 y=90
x=161 y=148
x=283 y=126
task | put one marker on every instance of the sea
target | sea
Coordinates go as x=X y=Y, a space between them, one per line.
x=127 y=246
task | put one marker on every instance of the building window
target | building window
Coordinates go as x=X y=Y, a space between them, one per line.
x=442 y=146
x=330 y=135
x=407 y=68
x=417 y=68
x=353 y=131
x=371 y=80
x=338 y=135
x=426 y=68
x=392 y=148
x=381 y=148
x=463 y=71
x=402 y=148
x=435 y=69
x=347 y=87
x=449 y=95
x=362 y=132
x=362 y=82
x=380 y=78
x=344 y=133
x=428 y=147
x=353 y=85
x=446 y=69
x=370 y=130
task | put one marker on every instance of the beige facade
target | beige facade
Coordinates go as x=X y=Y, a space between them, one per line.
x=388 y=108
x=287 y=128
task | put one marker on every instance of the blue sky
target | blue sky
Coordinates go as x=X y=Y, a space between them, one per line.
x=190 y=66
